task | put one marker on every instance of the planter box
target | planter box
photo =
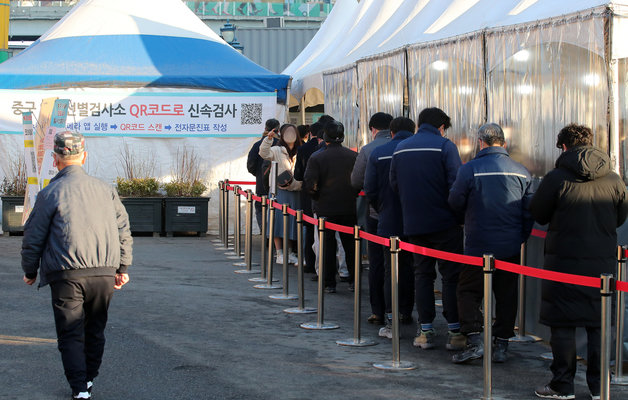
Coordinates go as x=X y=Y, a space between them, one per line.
x=12 y=210
x=145 y=214
x=185 y=214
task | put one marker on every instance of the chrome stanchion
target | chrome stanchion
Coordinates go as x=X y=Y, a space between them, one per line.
x=489 y=268
x=320 y=324
x=248 y=238
x=396 y=364
x=521 y=336
x=357 y=341
x=300 y=279
x=235 y=253
x=262 y=277
x=619 y=378
x=606 y=292
x=271 y=245
x=225 y=216
x=218 y=241
x=286 y=278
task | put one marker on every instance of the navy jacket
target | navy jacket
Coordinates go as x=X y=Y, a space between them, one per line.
x=422 y=171
x=493 y=192
x=378 y=190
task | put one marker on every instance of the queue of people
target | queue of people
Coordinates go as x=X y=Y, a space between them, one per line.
x=419 y=190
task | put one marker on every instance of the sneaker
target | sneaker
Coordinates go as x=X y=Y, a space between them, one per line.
x=473 y=351
x=330 y=289
x=352 y=287
x=595 y=396
x=82 y=395
x=456 y=341
x=375 y=320
x=279 y=257
x=500 y=347
x=546 y=392
x=292 y=259
x=424 y=339
x=90 y=384
x=386 y=331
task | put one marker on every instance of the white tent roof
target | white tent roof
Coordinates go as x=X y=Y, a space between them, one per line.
x=355 y=30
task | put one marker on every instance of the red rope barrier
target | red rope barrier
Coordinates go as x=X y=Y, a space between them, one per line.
x=339 y=228
x=257 y=198
x=229 y=188
x=539 y=233
x=622 y=286
x=241 y=192
x=375 y=239
x=310 y=220
x=442 y=255
x=292 y=212
x=548 y=275
x=241 y=183
x=278 y=206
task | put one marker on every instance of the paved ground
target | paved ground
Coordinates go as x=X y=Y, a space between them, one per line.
x=187 y=327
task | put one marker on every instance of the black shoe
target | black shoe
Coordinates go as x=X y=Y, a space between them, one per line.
x=345 y=279
x=309 y=270
x=547 y=392
x=406 y=319
x=500 y=347
x=375 y=320
x=314 y=278
x=473 y=351
x=330 y=289
x=352 y=287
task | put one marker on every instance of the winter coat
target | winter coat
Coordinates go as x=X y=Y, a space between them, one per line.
x=254 y=164
x=279 y=153
x=328 y=180
x=492 y=192
x=422 y=171
x=304 y=152
x=78 y=227
x=378 y=190
x=359 y=169
x=584 y=202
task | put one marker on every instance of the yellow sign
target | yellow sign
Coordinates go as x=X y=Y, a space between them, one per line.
x=5 y=11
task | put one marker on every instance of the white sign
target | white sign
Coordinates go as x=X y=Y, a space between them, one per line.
x=147 y=113
x=19 y=209
x=186 y=210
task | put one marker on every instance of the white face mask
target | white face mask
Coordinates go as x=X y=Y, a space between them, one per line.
x=290 y=136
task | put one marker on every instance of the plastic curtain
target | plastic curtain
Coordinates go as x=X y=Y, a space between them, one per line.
x=543 y=77
x=341 y=98
x=382 y=82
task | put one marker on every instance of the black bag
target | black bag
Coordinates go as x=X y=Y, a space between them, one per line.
x=284 y=179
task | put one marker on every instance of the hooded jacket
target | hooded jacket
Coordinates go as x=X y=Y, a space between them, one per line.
x=584 y=202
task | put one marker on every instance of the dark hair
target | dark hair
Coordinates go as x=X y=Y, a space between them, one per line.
x=325 y=119
x=402 y=124
x=271 y=124
x=334 y=132
x=435 y=117
x=316 y=129
x=291 y=152
x=574 y=135
x=303 y=130
x=491 y=134
x=380 y=121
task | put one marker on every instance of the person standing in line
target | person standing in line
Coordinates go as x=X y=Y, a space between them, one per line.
x=380 y=133
x=584 y=202
x=492 y=192
x=422 y=171
x=328 y=180
x=288 y=188
x=256 y=167
x=77 y=239
x=390 y=221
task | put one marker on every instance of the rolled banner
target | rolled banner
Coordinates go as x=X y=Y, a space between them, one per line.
x=57 y=124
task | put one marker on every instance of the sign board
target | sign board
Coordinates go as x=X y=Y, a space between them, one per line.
x=186 y=210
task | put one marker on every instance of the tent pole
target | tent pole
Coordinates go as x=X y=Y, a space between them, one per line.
x=302 y=109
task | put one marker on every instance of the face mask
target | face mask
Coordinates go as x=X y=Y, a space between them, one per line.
x=290 y=136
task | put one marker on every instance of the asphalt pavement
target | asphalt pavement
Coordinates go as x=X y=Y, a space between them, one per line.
x=188 y=327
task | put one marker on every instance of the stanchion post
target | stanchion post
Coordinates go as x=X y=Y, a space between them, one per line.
x=220 y=212
x=619 y=378
x=226 y=215
x=521 y=336
x=606 y=291
x=320 y=320
x=271 y=245
x=357 y=341
x=235 y=253
x=285 y=295
x=396 y=364
x=248 y=238
x=262 y=277
x=489 y=268
x=300 y=309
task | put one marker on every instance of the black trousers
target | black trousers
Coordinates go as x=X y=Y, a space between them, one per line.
x=406 y=283
x=377 y=276
x=449 y=240
x=80 y=311
x=563 y=342
x=330 y=248
x=308 y=252
x=471 y=292
x=258 y=214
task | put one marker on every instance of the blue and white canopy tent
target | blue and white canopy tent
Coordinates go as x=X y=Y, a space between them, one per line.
x=140 y=73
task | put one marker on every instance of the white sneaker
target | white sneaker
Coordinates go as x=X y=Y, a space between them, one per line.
x=82 y=395
x=386 y=331
x=292 y=259
x=279 y=257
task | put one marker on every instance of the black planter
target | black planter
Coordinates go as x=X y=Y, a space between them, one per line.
x=144 y=214
x=12 y=210
x=185 y=214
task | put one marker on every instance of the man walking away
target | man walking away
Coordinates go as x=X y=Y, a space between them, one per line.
x=78 y=237
x=390 y=222
x=379 y=127
x=584 y=202
x=493 y=193
x=256 y=166
x=422 y=171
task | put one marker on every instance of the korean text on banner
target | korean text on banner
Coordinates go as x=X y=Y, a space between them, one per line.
x=30 y=159
x=57 y=124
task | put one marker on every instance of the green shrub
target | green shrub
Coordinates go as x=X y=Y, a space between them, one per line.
x=137 y=187
x=184 y=189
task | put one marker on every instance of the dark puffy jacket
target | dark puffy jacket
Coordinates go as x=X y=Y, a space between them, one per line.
x=378 y=190
x=304 y=152
x=328 y=180
x=359 y=169
x=254 y=164
x=78 y=227
x=492 y=192
x=584 y=202
x=422 y=171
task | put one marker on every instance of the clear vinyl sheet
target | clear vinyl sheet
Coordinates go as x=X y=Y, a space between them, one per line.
x=341 y=102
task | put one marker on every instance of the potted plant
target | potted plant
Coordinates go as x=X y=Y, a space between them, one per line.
x=12 y=189
x=139 y=191
x=184 y=208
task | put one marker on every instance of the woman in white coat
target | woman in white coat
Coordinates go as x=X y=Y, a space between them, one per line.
x=285 y=154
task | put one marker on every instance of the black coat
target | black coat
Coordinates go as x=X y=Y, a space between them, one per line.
x=254 y=164
x=328 y=180
x=584 y=202
x=304 y=152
